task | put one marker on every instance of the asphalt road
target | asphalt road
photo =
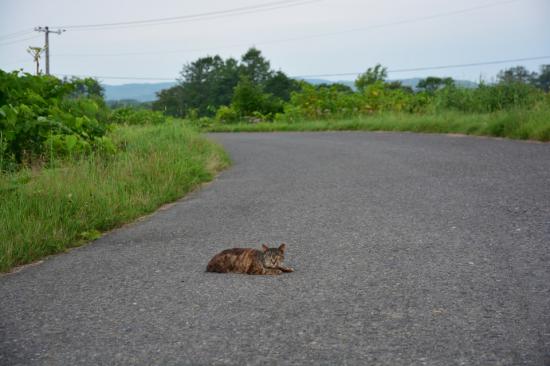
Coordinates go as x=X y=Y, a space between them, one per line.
x=408 y=250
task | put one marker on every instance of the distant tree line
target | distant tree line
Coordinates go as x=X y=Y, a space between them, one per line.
x=231 y=90
x=520 y=74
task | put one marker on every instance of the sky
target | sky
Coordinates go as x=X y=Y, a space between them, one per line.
x=299 y=37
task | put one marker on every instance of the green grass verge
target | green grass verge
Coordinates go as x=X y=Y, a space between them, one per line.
x=515 y=124
x=48 y=211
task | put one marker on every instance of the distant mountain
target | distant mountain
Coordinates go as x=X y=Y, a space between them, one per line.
x=323 y=81
x=144 y=92
x=412 y=82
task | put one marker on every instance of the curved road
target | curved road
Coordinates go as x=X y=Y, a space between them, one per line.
x=408 y=249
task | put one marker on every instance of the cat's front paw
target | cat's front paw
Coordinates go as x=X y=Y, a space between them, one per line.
x=273 y=271
x=286 y=269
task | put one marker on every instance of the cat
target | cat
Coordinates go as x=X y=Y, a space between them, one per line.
x=267 y=261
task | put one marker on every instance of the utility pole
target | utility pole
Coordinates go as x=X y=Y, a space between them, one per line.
x=47 y=32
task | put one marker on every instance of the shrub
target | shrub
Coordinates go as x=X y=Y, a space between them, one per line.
x=132 y=116
x=249 y=98
x=42 y=116
x=488 y=98
x=227 y=115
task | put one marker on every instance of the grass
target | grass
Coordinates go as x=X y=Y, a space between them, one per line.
x=48 y=211
x=515 y=124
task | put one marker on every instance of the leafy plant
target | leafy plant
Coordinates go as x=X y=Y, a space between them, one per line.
x=42 y=117
x=134 y=116
x=227 y=114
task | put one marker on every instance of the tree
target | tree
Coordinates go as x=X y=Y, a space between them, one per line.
x=208 y=83
x=248 y=97
x=398 y=85
x=281 y=85
x=338 y=87
x=543 y=80
x=87 y=87
x=255 y=67
x=36 y=52
x=371 y=76
x=433 y=83
x=517 y=74
x=170 y=101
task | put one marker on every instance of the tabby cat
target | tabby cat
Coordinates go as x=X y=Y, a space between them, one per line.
x=267 y=261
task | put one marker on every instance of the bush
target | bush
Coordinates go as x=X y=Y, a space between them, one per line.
x=314 y=103
x=488 y=98
x=249 y=98
x=132 y=116
x=227 y=115
x=42 y=117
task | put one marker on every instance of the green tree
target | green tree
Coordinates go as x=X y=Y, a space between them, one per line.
x=255 y=67
x=170 y=101
x=248 y=97
x=208 y=83
x=398 y=85
x=337 y=87
x=433 y=83
x=371 y=76
x=516 y=74
x=87 y=87
x=543 y=79
x=281 y=86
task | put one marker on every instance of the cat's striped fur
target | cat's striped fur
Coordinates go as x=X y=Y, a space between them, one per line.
x=267 y=261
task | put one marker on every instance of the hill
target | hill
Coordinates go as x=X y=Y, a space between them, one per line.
x=413 y=82
x=143 y=92
x=146 y=92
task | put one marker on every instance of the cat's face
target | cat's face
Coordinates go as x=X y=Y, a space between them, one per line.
x=273 y=257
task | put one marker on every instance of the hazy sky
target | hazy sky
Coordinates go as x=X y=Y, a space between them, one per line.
x=300 y=38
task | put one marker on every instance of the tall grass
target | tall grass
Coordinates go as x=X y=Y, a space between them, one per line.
x=47 y=211
x=518 y=123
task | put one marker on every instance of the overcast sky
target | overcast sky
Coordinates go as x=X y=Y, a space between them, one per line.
x=300 y=38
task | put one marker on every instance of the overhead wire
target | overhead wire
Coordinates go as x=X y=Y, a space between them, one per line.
x=17 y=34
x=306 y=37
x=427 y=68
x=18 y=40
x=191 y=17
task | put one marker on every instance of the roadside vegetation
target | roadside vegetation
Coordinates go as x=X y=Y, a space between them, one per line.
x=248 y=95
x=516 y=124
x=72 y=168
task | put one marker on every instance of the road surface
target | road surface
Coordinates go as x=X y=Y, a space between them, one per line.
x=408 y=250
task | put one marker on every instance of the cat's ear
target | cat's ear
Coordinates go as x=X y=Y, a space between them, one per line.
x=282 y=247
x=265 y=247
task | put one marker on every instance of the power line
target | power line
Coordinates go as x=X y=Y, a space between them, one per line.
x=440 y=67
x=116 y=77
x=17 y=41
x=312 y=36
x=432 y=67
x=192 y=17
x=16 y=34
x=395 y=23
